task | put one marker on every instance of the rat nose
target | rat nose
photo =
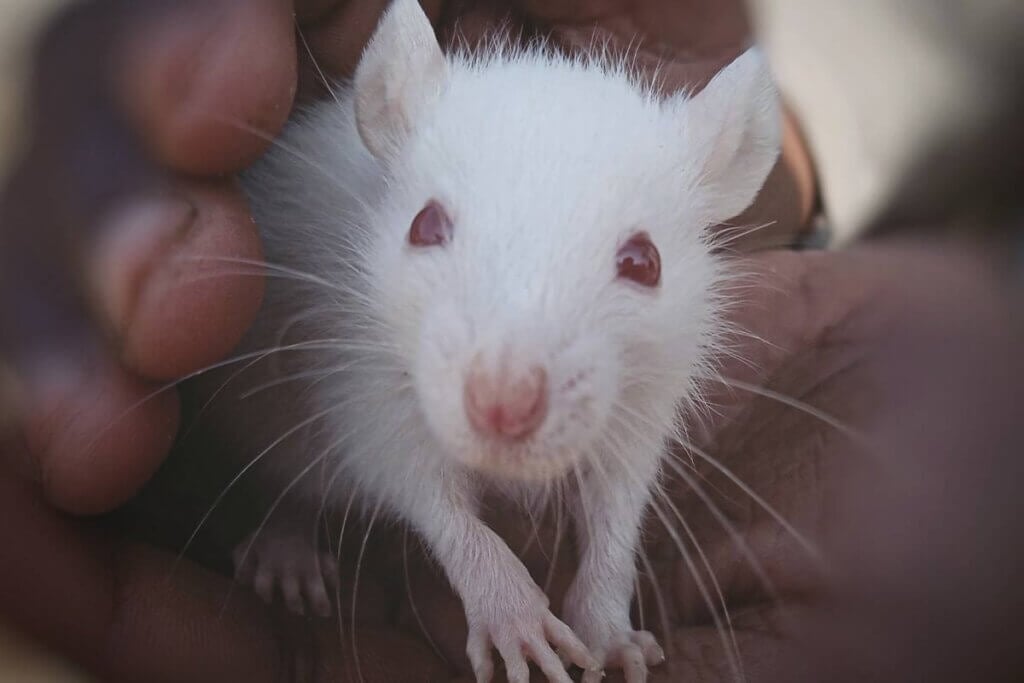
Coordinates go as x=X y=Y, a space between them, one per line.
x=510 y=404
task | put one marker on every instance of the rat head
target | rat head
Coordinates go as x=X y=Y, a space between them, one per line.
x=540 y=255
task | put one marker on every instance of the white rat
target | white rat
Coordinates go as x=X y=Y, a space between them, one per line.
x=502 y=266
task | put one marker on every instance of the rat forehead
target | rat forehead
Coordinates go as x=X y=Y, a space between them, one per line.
x=535 y=109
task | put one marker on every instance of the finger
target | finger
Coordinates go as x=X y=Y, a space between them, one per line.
x=329 y=570
x=81 y=160
x=82 y=146
x=548 y=661
x=208 y=84
x=478 y=650
x=564 y=638
x=96 y=433
x=517 y=670
x=648 y=644
x=118 y=610
x=292 y=594
x=174 y=301
x=631 y=660
x=179 y=279
x=263 y=584
x=245 y=568
x=317 y=597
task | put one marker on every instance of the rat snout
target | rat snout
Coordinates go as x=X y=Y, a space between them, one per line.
x=508 y=403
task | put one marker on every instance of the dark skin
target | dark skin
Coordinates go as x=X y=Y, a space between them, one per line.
x=103 y=598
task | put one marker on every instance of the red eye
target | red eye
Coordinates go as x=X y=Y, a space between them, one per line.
x=431 y=227
x=638 y=260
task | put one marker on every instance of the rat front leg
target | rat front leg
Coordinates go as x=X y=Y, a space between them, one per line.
x=608 y=516
x=505 y=609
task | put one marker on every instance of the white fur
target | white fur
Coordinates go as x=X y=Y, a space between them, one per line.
x=546 y=165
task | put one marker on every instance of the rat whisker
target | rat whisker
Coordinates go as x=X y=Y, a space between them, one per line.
x=319 y=374
x=704 y=560
x=241 y=473
x=556 y=544
x=714 y=583
x=412 y=602
x=534 y=535
x=693 y=450
x=277 y=501
x=327 y=491
x=580 y=500
x=725 y=237
x=355 y=588
x=196 y=418
x=659 y=598
x=337 y=559
x=312 y=345
x=279 y=144
x=724 y=634
x=316 y=64
x=796 y=404
x=802 y=540
x=283 y=271
x=741 y=545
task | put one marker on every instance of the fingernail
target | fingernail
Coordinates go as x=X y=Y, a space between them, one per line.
x=134 y=238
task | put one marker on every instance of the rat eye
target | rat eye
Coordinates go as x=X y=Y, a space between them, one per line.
x=431 y=227
x=638 y=260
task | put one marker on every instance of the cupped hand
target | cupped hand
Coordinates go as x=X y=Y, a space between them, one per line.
x=124 y=209
x=116 y=219
x=877 y=418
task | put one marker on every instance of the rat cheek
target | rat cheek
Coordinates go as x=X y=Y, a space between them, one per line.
x=585 y=388
x=438 y=373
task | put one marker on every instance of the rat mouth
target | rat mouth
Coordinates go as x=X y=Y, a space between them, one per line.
x=522 y=463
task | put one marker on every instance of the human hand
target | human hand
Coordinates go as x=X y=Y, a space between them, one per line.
x=848 y=338
x=110 y=222
x=83 y=476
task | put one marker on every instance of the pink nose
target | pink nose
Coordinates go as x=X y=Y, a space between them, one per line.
x=508 y=405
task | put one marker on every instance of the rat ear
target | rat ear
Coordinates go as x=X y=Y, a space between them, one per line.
x=734 y=128
x=400 y=74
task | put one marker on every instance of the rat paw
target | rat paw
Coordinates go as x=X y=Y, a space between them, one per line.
x=521 y=638
x=291 y=565
x=630 y=651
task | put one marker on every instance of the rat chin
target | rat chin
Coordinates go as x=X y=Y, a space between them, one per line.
x=528 y=464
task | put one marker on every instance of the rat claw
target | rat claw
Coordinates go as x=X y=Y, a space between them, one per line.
x=593 y=676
